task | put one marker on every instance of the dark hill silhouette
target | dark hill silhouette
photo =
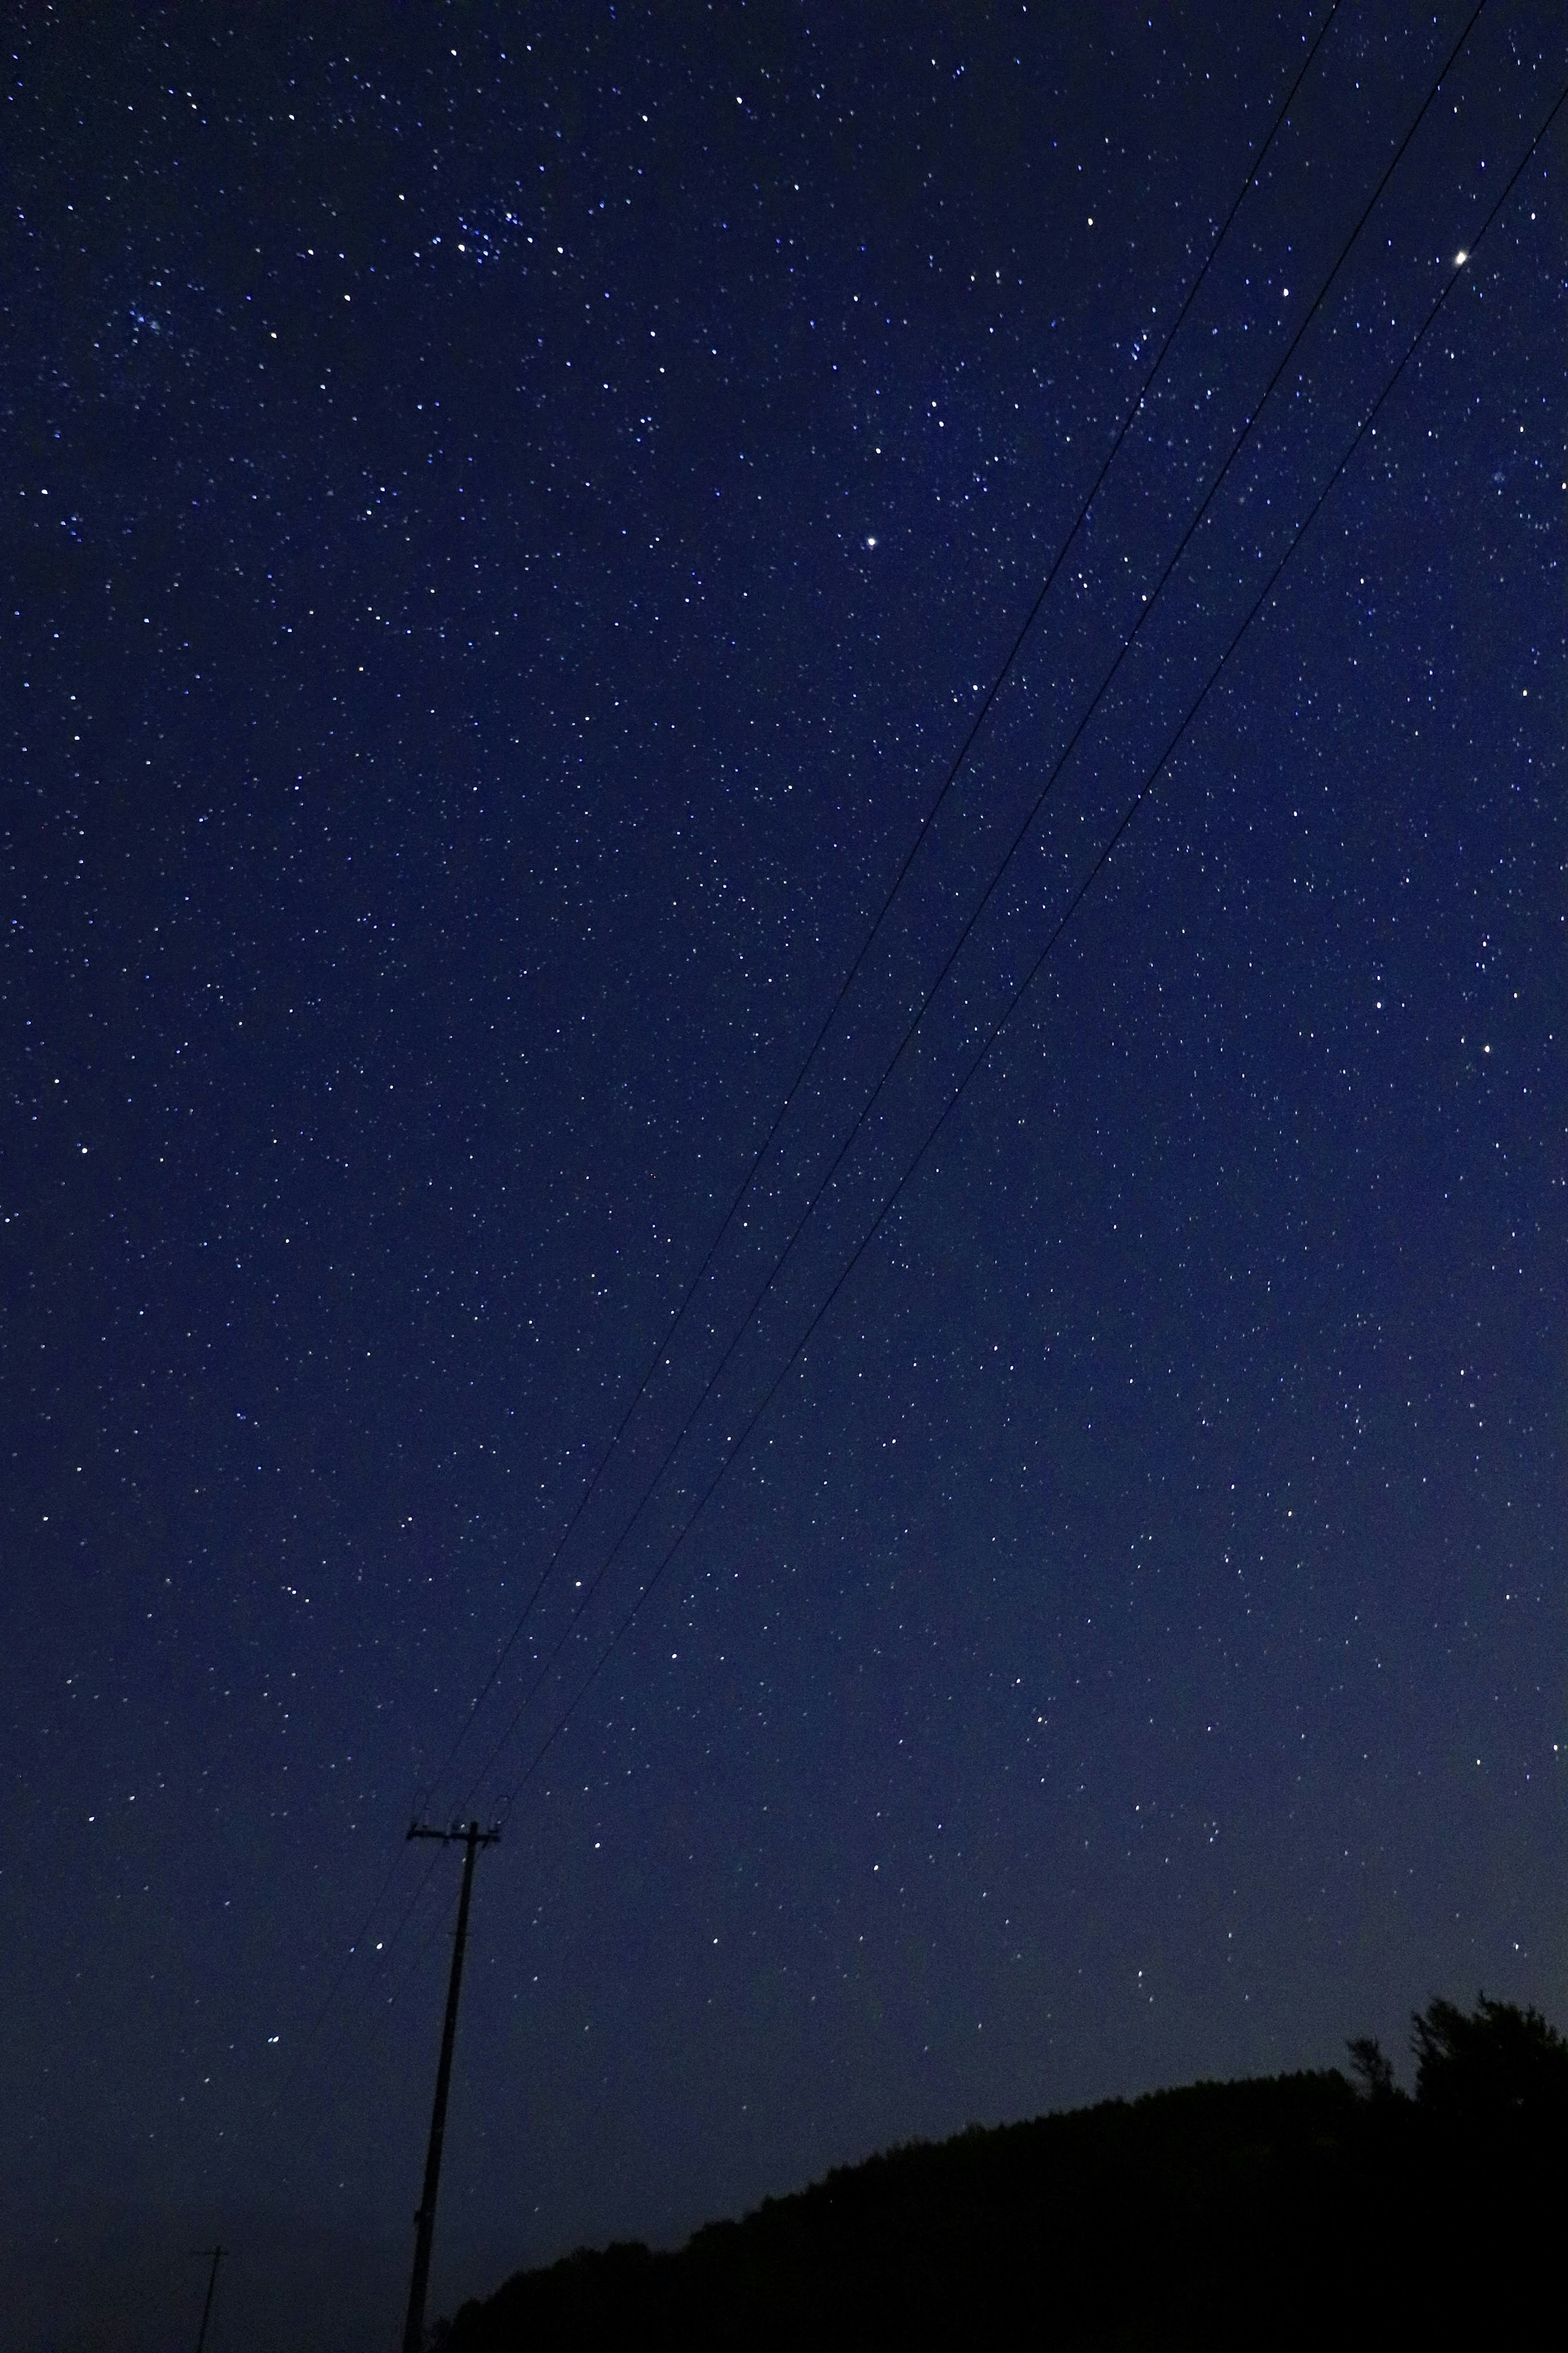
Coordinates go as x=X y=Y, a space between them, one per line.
x=1272 y=2213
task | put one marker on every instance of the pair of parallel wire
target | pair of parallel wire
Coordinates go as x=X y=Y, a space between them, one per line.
x=894 y=1194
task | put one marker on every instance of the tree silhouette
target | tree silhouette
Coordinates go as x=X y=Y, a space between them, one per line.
x=1497 y=2063
x=1221 y=2216
x=1373 y=2068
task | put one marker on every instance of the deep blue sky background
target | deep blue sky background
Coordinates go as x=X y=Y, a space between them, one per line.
x=509 y=513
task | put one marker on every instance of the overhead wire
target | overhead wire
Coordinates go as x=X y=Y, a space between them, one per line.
x=1102 y=860
x=890 y=1201
x=986 y=1048
x=363 y=2037
x=591 y=1585
x=301 y=2050
x=359 y=2039
x=960 y=760
x=927 y=820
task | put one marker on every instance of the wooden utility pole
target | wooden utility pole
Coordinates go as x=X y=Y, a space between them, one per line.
x=471 y=1838
x=217 y=2254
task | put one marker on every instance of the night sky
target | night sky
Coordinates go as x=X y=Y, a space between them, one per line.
x=511 y=514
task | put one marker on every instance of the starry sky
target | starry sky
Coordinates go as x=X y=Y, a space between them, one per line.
x=512 y=514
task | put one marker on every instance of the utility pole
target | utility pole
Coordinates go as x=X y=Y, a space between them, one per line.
x=218 y=2255
x=471 y=1838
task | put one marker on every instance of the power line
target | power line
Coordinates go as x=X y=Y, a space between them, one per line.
x=592 y=1583
x=988 y=1044
x=360 y=2037
x=890 y=1201
x=1020 y=836
x=986 y=1048
x=921 y=831
x=302 y=2049
x=983 y=1056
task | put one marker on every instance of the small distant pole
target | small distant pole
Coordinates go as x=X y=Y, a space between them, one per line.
x=471 y=1838
x=217 y=2254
